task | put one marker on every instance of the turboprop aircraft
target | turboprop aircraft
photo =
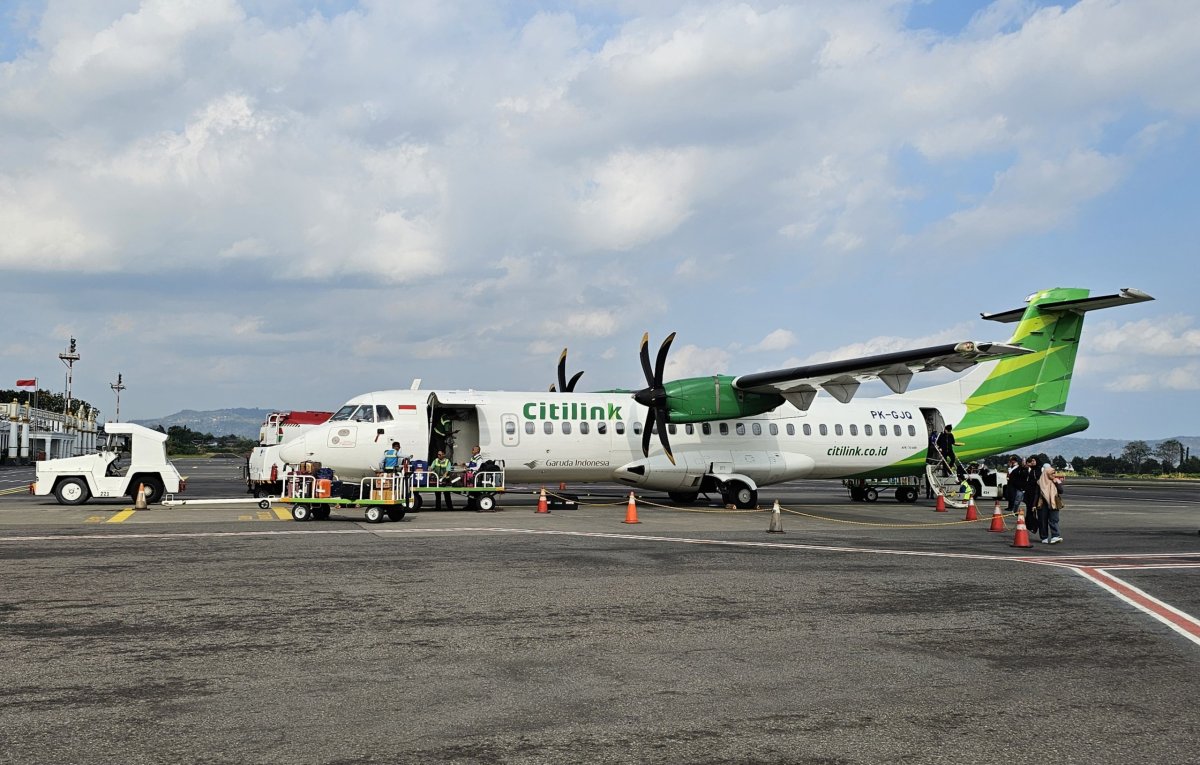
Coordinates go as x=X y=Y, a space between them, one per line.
x=732 y=435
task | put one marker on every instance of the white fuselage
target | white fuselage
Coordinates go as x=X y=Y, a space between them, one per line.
x=582 y=437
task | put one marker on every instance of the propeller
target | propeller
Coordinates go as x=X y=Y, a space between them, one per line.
x=654 y=396
x=567 y=386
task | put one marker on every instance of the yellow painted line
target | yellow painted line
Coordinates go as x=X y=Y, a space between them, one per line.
x=122 y=516
x=245 y=517
x=94 y=519
x=283 y=513
x=264 y=516
x=15 y=490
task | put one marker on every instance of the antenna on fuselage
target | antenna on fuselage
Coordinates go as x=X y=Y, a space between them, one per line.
x=416 y=384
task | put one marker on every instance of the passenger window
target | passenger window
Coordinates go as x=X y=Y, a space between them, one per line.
x=774 y=429
x=912 y=430
x=791 y=429
x=854 y=430
x=566 y=428
x=671 y=428
x=837 y=430
x=602 y=428
x=510 y=428
x=741 y=428
x=756 y=429
x=866 y=430
x=896 y=429
x=529 y=428
x=724 y=428
x=382 y=414
x=808 y=429
x=824 y=429
x=620 y=428
x=706 y=428
x=689 y=429
x=637 y=428
x=548 y=427
x=583 y=427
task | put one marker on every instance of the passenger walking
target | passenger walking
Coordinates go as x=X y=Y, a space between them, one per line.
x=945 y=445
x=1030 y=492
x=1013 y=489
x=1049 y=504
x=441 y=469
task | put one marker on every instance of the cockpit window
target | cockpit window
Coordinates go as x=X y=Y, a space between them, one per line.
x=382 y=414
x=365 y=413
x=343 y=413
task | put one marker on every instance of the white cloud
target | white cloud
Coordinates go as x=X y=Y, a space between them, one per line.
x=694 y=361
x=1162 y=336
x=884 y=344
x=778 y=340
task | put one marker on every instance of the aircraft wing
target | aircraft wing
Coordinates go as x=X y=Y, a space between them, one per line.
x=841 y=379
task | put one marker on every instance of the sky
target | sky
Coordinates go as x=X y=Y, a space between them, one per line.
x=263 y=203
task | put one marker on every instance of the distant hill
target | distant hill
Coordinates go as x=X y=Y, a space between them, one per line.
x=1071 y=447
x=219 y=422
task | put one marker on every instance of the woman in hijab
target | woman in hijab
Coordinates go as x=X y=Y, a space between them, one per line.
x=1048 y=506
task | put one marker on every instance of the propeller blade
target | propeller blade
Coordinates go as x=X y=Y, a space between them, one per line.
x=575 y=379
x=662 y=437
x=552 y=388
x=562 y=372
x=661 y=362
x=647 y=428
x=644 y=355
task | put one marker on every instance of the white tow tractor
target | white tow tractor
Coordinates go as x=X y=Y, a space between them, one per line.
x=75 y=480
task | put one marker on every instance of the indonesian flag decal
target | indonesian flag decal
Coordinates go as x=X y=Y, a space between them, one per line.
x=27 y=383
x=407 y=408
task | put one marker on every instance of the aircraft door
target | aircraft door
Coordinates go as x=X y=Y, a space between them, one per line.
x=510 y=430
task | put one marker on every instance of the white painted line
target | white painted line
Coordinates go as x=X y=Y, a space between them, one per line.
x=1184 y=624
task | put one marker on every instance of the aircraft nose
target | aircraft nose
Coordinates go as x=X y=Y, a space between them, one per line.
x=295 y=450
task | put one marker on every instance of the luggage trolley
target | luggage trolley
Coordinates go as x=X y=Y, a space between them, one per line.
x=386 y=496
x=480 y=487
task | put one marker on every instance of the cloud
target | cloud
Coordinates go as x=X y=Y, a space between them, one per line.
x=778 y=340
x=883 y=344
x=694 y=361
x=1161 y=336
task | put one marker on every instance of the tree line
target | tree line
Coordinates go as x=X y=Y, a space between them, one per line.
x=1138 y=458
x=183 y=440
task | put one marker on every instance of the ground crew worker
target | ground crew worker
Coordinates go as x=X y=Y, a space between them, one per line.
x=441 y=468
x=392 y=458
x=474 y=462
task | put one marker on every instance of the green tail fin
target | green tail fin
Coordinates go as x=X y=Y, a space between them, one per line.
x=1050 y=326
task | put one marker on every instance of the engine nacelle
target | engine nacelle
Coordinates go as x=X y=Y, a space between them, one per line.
x=704 y=399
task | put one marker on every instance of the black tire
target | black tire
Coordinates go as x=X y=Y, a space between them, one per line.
x=153 y=487
x=976 y=489
x=260 y=492
x=486 y=503
x=683 y=497
x=373 y=514
x=395 y=514
x=906 y=494
x=301 y=513
x=265 y=505
x=856 y=494
x=870 y=494
x=321 y=513
x=413 y=503
x=740 y=495
x=72 y=491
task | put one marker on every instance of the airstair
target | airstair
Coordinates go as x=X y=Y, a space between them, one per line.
x=956 y=493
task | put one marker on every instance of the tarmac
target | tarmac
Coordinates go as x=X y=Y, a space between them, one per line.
x=865 y=633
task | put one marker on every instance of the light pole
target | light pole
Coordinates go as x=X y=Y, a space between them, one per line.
x=69 y=358
x=117 y=387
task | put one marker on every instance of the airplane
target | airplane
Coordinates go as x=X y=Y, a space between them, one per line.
x=734 y=435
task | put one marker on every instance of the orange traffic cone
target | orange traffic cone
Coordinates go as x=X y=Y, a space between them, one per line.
x=776 y=526
x=1021 y=539
x=940 y=505
x=997 y=519
x=140 y=502
x=543 y=505
x=971 y=514
x=631 y=511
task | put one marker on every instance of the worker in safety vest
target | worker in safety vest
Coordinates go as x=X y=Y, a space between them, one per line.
x=392 y=458
x=440 y=467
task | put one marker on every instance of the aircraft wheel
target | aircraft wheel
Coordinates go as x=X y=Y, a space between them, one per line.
x=72 y=491
x=741 y=495
x=870 y=495
x=486 y=503
x=301 y=513
x=374 y=514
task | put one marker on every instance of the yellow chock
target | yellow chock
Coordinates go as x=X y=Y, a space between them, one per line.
x=776 y=526
x=140 y=502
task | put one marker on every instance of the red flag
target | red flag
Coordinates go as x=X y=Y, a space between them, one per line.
x=27 y=383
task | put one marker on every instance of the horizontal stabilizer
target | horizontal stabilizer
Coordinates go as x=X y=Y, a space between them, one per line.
x=1126 y=296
